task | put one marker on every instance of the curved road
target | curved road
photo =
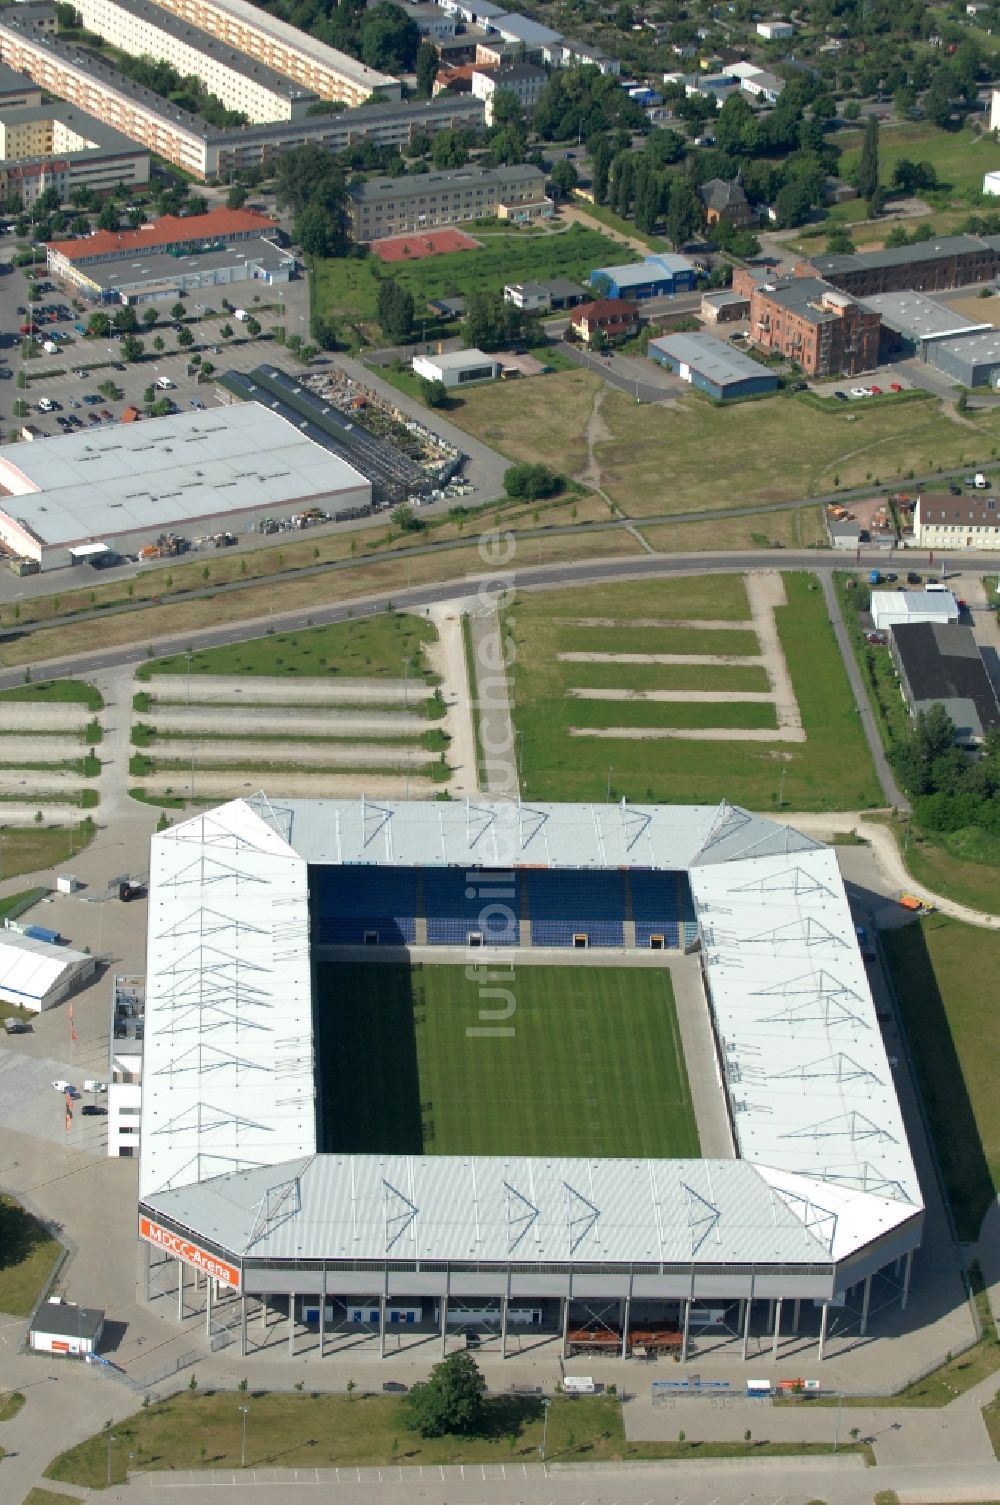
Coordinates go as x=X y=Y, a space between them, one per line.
x=539 y=577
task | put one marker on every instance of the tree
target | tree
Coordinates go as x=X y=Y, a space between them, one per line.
x=867 y=170
x=158 y=344
x=177 y=312
x=426 y=68
x=793 y=203
x=394 y=310
x=108 y=217
x=125 y=319
x=600 y=167
x=451 y=1401
x=434 y=393
x=99 y=325
x=839 y=242
x=149 y=397
x=404 y=517
x=316 y=231
x=449 y=150
x=149 y=317
x=565 y=177
x=529 y=483
x=236 y=197
x=683 y=213
x=252 y=327
x=491 y=323
x=389 y=38
x=324 y=331
x=185 y=338
x=132 y=348
x=664 y=147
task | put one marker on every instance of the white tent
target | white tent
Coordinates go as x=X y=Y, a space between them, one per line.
x=36 y=974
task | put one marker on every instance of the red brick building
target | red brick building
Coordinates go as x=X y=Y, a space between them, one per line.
x=804 y=319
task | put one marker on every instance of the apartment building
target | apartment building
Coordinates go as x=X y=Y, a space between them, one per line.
x=205 y=151
x=243 y=83
x=524 y=81
x=970 y=521
x=312 y=64
x=57 y=146
x=822 y=329
x=395 y=206
x=17 y=92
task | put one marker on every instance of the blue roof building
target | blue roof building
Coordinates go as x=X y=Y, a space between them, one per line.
x=712 y=366
x=660 y=276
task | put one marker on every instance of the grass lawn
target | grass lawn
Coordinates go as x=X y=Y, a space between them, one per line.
x=594 y=1066
x=27 y=1258
x=32 y=849
x=944 y=975
x=960 y=158
x=832 y=765
x=349 y=285
x=962 y=865
x=15 y=904
x=680 y=640
x=796 y=528
x=11 y=1402
x=658 y=460
x=66 y=691
x=202 y=1430
x=370 y=648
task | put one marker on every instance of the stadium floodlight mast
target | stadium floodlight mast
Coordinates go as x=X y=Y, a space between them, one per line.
x=546 y=1403
x=111 y=1438
x=243 y=1437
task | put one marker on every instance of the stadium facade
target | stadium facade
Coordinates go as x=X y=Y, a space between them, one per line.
x=819 y=1196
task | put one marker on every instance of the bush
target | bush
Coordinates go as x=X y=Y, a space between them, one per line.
x=529 y=483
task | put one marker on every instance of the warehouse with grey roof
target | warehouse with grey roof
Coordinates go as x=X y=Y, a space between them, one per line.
x=712 y=366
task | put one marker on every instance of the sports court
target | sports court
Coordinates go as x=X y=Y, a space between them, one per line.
x=416 y=247
x=588 y=1061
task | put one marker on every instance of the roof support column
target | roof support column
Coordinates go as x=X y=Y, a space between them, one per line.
x=907 y=1272
x=291 y=1324
x=209 y=1283
x=503 y=1327
x=821 y=1350
x=243 y=1324
x=381 y=1326
x=865 y=1303
x=263 y=1315
x=444 y=1324
x=746 y=1319
x=796 y=1306
x=322 y=1315
x=180 y=1290
x=777 y=1331
x=146 y=1251
x=687 y=1326
x=565 y=1327
x=626 y=1318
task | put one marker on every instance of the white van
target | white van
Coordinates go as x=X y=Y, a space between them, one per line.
x=164 y=383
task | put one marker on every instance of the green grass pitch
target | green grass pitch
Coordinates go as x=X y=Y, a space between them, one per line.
x=593 y=1066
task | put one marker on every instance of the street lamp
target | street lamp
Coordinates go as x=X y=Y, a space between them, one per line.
x=111 y=1438
x=546 y=1403
x=836 y=1434
x=243 y=1441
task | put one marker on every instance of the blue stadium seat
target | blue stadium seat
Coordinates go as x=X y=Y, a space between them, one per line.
x=357 y=905
x=458 y=906
x=658 y=901
x=564 y=905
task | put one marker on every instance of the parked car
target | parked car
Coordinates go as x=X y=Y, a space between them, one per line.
x=912 y=578
x=859 y=391
x=841 y=396
x=955 y=490
x=93 y=1110
x=891 y=579
x=60 y=1086
x=874 y=391
x=90 y=398
x=894 y=386
x=94 y=1085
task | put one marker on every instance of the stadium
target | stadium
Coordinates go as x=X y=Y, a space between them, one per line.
x=418 y=1069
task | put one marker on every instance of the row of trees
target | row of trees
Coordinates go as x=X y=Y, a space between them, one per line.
x=950 y=791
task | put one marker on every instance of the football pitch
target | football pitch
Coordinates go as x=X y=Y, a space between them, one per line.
x=592 y=1064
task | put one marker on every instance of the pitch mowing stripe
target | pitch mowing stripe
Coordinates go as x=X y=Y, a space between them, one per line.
x=594 y=1065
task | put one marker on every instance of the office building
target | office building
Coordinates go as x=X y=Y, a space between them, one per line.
x=387 y=206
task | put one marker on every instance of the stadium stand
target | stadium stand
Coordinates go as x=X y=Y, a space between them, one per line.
x=656 y=906
x=357 y=906
x=576 y=908
x=457 y=910
x=689 y=922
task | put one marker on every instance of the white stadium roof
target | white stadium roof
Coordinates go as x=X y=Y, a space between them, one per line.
x=164 y=470
x=228 y=1138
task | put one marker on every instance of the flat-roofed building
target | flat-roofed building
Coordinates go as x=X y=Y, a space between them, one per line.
x=525 y=81
x=117 y=489
x=17 y=91
x=660 y=276
x=328 y=72
x=58 y=146
x=457 y=368
x=712 y=366
x=164 y=277
x=911 y=323
x=387 y=206
x=242 y=82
